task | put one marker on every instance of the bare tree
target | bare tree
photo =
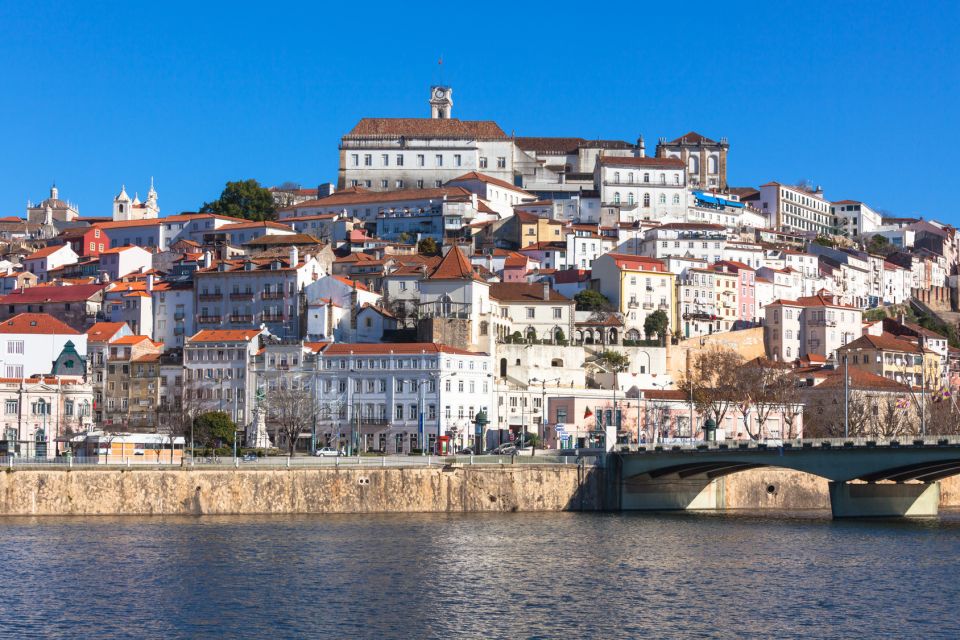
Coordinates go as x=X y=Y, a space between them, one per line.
x=763 y=386
x=713 y=377
x=292 y=408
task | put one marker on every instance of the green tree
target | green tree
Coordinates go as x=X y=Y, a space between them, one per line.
x=591 y=300
x=428 y=247
x=214 y=426
x=824 y=241
x=656 y=324
x=243 y=199
x=880 y=245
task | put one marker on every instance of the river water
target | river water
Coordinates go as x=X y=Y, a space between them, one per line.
x=555 y=575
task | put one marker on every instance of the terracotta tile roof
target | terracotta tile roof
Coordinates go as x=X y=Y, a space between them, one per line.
x=692 y=225
x=46 y=251
x=664 y=394
x=427 y=128
x=884 y=342
x=351 y=283
x=131 y=340
x=266 y=224
x=569 y=276
x=316 y=347
x=381 y=311
x=847 y=202
x=358 y=196
x=35 y=323
x=642 y=263
x=149 y=222
x=399 y=348
x=119 y=250
x=859 y=379
x=275 y=239
x=453 y=266
x=818 y=300
x=224 y=335
x=693 y=138
x=567 y=146
x=103 y=331
x=71 y=293
x=633 y=161
x=523 y=292
x=482 y=177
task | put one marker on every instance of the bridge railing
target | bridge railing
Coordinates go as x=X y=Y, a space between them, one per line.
x=804 y=443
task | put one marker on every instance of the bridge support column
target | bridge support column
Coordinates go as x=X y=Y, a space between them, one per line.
x=872 y=500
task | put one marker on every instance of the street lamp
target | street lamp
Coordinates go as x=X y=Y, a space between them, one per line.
x=543 y=406
x=662 y=386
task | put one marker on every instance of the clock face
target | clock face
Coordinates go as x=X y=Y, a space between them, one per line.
x=439 y=94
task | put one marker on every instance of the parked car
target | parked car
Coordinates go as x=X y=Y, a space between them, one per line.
x=465 y=452
x=327 y=452
x=250 y=457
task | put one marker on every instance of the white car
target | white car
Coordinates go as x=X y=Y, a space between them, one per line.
x=327 y=452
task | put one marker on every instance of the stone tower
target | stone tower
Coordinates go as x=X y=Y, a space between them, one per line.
x=441 y=102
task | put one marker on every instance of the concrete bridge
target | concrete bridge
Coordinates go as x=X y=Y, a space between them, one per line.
x=867 y=477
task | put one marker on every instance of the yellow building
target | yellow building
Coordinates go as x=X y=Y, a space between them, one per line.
x=898 y=358
x=637 y=286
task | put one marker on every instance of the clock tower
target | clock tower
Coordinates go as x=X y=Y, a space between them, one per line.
x=441 y=102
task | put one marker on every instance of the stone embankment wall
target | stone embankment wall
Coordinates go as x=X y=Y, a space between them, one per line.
x=249 y=491
x=374 y=490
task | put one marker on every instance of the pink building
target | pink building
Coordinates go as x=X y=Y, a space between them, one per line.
x=747 y=288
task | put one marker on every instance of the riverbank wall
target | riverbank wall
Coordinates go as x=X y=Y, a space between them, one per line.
x=464 y=489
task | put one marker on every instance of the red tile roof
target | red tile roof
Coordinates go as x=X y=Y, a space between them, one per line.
x=399 y=348
x=884 y=342
x=427 y=128
x=859 y=379
x=71 y=293
x=523 y=292
x=812 y=301
x=453 y=266
x=131 y=340
x=633 y=161
x=224 y=335
x=35 y=323
x=642 y=263
x=266 y=224
x=46 y=251
x=104 y=331
x=482 y=177
x=693 y=138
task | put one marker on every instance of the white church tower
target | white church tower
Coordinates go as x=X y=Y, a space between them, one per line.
x=126 y=209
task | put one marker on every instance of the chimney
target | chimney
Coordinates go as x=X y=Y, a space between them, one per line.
x=546 y=290
x=207 y=260
x=294 y=256
x=149 y=283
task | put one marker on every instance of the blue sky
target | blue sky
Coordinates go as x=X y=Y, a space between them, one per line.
x=859 y=97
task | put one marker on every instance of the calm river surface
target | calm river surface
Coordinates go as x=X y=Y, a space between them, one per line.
x=566 y=575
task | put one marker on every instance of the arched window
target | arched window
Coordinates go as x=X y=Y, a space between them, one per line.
x=646 y=199
x=633 y=334
x=662 y=199
x=712 y=164
x=663 y=178
x=531 y=334
x=676 y=198
x=616 y=177
x=694 y=164
x=503 y=367
x=613 y=336
x=646 y=177
x=616 y=197
x=556 y=362
x=630 y=198
x=445 y=305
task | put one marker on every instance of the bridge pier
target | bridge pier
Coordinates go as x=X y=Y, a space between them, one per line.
x=891 y=500
x=669 y=494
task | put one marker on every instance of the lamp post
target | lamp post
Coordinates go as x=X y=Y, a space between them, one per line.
x=543 y=407
x=662 y=386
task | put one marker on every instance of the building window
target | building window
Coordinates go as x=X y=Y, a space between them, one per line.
x=11 y=407
x=457 y=160
x=531 y=312
x=399 y=184
x=557 y=313
x=367 y=160
x=419 y=184
x=421 y=160
x=616 y=197
x=646 y=200
x=384 y=184
x=438 y=160
x=355 y=160
x=15 y=346
x=385 y=158
x=399 y=159
x=483 y=162
x=501 y=163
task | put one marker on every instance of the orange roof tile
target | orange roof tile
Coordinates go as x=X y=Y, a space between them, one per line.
x=103 y=331
x=224 y=335
x=46 y=251
x=453 y=266
x=34 y=323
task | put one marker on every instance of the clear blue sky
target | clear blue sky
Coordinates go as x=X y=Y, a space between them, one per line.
x=861 y=98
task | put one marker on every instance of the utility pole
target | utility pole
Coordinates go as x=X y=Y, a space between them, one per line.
x=846 y=399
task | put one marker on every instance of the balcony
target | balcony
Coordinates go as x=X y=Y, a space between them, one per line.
x=272 y=317
x=663 y=307
x=633 y=304
x=373 y=422
x=206 y=295
x=209 y=319
x=241 y=318
x=179 y=316
x=271 y=295
x=242 y=295
x=178 y=331
x=648 y=305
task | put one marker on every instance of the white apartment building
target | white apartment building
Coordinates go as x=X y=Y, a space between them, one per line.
x=417 y=153
x=32 y=341
x=747 y=253
x=499 y=195
x=118 y=262
x=395 y=397
x=853 y=218
x=701 y=241
x=216 y=367
x=174 y=315
x=795 y=209
x=534 y=311
x=642 y=188
x=696 y=298
x=49 y=258
x=810 y=327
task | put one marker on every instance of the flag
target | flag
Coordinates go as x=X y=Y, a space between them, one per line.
x=587 y=413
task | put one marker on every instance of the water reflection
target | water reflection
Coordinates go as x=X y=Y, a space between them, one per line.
x=797 y=574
